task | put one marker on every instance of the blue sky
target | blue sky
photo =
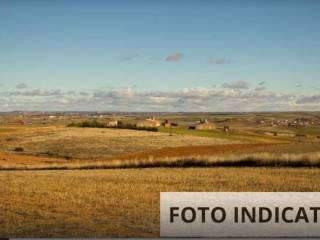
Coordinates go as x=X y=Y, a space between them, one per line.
x=143 y=48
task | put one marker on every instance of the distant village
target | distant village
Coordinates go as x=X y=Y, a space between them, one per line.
x=149 y=122
x=289 y=123
x=229 y=124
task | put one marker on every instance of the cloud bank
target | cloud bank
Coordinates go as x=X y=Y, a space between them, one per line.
x=235 y=96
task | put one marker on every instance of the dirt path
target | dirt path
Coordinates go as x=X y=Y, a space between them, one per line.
x=14 y=159
x=211 y=150
x=20 y=159
x=195 y=151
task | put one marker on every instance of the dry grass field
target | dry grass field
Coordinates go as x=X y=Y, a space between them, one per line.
x=120 y=203
x=92 y=143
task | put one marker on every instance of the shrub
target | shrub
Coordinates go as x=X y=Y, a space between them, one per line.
x=9 y=139
x=18 y=149
x=121 y=125
x=88 y=124
x=49 y=153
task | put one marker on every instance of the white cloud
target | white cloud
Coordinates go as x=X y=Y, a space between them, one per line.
x=260 y=88
x=174 y=57
x=21 y=86
x=236 y=85
x=36 y=92
x=309 y=99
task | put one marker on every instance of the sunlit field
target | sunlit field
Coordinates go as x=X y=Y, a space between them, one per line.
x=60 y=181
x=120 y=203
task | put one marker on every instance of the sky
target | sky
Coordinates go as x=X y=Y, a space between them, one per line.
x=169 y=55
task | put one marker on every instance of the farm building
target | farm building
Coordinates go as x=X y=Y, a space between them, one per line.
x=20 y=122
x=167 y=123
x=112 y=123
x=204 y=125
x=149 y=122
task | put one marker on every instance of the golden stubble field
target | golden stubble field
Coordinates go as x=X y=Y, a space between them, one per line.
x=121 y=202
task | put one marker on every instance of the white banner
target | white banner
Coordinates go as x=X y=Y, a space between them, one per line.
x=240 y=214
